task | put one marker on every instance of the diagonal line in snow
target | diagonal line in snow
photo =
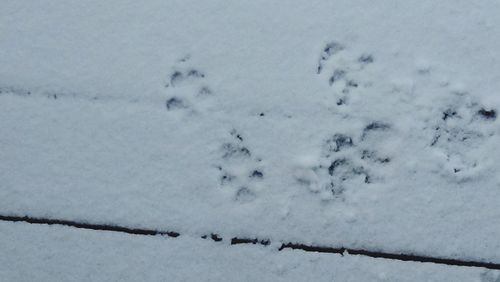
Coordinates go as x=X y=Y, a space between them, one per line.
x=234 y=241
x=102 y=227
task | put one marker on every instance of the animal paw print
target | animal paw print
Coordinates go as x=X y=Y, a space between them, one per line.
x=348 y=164
x=239 y=170
x=330 y=49
x=462 y=126
x=341 y=68
x=187 y=86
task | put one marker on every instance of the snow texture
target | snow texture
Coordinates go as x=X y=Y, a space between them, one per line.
x=54 y=253
x=355 y=123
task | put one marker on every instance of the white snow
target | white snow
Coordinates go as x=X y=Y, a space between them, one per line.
x=344 y=123
x=53 y=253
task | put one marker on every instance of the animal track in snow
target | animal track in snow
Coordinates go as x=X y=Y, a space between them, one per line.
x=341 y=68
x=330 y=49
x=455 y=123
x=461 y=127
x=239 y=169
x=186 y=87
x=347 y=163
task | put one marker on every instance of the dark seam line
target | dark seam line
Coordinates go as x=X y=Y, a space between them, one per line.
x=236 y=241
x=265 y=242
x=392 y=256
x=104 y=227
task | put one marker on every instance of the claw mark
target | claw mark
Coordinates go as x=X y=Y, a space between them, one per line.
x=330 y=49
x=175 y=103
x=337 y=74
x=365 y=59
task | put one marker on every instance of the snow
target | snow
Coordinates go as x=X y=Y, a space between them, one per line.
x=53 y=253
x=339 y=123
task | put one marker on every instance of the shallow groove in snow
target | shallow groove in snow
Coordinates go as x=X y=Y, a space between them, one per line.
x=234 y=241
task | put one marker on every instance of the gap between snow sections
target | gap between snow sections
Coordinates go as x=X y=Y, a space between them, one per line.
x=265 y=242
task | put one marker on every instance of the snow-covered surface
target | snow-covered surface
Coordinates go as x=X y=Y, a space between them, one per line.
x=53 y=253
x=357 y=123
